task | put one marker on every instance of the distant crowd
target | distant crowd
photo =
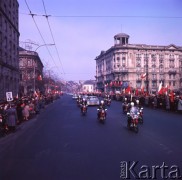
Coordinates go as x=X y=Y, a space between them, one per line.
x=22 y=109
x=169 y=102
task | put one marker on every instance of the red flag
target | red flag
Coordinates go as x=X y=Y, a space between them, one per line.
x=171 y=96
x=40 y=78
x=142 y=90
x=136 y=92
x=128 y=90
x=111 y=83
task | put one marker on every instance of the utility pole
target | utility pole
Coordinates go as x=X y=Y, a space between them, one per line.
x=35 y=62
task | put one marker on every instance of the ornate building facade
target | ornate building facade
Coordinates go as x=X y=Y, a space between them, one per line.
x=124 y=64
x=31 y=73
x=9 y=44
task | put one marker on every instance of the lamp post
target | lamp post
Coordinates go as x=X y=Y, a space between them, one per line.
x=35 y=63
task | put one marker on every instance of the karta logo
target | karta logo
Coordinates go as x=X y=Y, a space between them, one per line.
x=132 y=170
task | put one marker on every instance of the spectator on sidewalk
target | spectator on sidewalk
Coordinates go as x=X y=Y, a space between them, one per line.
x=11 y=118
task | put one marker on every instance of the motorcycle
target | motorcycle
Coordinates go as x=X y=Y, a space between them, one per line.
x=140 y=117
x=78 y=102
x=125 y=107
x=108 y=103
x=102 y=114
x=133 y=120
x=83 y=109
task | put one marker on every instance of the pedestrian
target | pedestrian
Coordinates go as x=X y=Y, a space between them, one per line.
x=26 y=112
x=167 y=102
x=11 y=118
x=180 y=104
x=19 y=110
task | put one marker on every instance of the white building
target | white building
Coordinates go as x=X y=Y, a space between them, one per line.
x=125 y=63
x=88 y=86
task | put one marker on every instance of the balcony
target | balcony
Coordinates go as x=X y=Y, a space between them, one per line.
x=171 y=71
x=119 y=71
x=154 y=79
x=138 y=80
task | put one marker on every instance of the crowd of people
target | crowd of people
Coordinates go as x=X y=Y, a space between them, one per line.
x=21 y=110
x=169 y=102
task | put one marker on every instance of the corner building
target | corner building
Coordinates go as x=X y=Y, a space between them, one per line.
x=9 y=44
x=125 y=63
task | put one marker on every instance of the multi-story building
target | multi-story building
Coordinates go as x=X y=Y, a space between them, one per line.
x=31 y=68
x=124 y=64
x=88 y=86
x=9 y=44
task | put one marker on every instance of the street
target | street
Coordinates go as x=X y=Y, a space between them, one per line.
x=61 y=144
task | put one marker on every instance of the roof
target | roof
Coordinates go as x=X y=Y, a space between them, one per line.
x=121 y=35
x=89 y=82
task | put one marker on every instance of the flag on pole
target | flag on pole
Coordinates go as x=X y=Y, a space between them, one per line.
x=143 y=75
x=160 y=90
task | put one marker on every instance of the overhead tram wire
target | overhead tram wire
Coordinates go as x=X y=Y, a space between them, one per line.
x=32 y=15
x=109 y=16
x=47 y=16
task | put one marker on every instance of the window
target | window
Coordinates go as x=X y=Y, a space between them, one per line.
x=174 y=83
x=154 y=76
x=161 y=56
x=123 y=60
x=161 y=76
x=29 y=62
x=161 y=68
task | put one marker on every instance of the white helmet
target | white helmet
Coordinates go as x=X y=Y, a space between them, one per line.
x=102 y=102
x=132 y=104
x=125 y=99
x=137 y=101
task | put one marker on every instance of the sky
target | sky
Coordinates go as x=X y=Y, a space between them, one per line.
x=81 y=29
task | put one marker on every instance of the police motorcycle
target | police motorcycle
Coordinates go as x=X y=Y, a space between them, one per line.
x=79 y=101
x=125 y=106
x=133 y=118
x=101 y=112
x=107 y=100
x=140 y=116
x=83 y=107
x=140 y=111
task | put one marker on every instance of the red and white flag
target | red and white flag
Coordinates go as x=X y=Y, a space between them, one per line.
x=143 y=75
x=160 y=90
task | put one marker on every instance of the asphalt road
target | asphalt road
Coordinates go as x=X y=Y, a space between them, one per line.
x=60 y=144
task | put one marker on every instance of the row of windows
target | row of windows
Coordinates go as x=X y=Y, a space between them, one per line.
x=8 y=30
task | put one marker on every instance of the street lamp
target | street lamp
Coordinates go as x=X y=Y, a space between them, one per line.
x=34 y=61
x=43 y=45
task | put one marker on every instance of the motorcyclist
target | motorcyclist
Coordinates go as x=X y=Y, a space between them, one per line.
x=101 y=106
x=133 y=110
x=124 y=105
x=79 y=100
x=83 y=103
